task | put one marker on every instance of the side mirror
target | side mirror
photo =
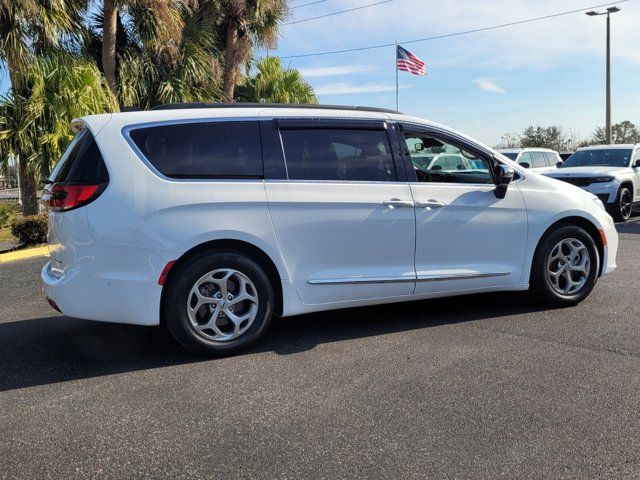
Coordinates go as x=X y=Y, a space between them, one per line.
x=524 y=164
x=559 y=163
x=505 y=177
x=636 y=164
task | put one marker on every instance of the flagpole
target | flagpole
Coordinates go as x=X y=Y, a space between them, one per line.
x=395 y=65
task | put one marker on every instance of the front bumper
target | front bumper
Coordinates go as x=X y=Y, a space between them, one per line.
x=611 y=248
x=606 y=192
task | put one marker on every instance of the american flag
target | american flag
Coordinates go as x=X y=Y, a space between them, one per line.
x=408 y=62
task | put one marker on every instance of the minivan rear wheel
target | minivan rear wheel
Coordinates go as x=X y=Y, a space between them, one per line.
x=218 y=303
x=565 y=266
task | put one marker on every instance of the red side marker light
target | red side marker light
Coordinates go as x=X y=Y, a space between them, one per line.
x=165 y=272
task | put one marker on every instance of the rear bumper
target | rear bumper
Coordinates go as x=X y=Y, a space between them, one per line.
x=114 y=284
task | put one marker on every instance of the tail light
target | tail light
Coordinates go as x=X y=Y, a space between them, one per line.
x=61 y=197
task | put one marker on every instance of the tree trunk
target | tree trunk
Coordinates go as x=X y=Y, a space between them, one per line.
x=28 y=183
x=109 y=27
x=230 y=60
x=28 y=189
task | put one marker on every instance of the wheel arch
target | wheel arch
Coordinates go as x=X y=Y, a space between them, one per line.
x=241 y=246
x=582 y=222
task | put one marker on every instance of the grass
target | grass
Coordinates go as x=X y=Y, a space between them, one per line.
x=5 y=235
x=5 y=232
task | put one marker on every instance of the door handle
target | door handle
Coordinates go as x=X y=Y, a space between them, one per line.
x=430 y=204
x=396 y=202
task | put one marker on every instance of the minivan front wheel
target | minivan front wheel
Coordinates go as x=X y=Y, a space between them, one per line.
x=565 y=266
x=218 y=303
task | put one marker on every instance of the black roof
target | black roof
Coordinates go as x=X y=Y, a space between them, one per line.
x=176 y=106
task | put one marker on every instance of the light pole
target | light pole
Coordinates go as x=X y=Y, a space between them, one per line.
x=608 y=13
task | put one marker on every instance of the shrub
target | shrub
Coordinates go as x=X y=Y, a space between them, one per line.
x=30 y=230
x=7 y=212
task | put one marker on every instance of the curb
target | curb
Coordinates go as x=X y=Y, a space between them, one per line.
x=24 y=254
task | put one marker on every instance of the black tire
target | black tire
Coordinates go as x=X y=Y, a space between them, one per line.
x=541 y=284
x=176 y=296
x=621 y=209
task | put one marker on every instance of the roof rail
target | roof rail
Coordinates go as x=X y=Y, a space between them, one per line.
x=176 y=106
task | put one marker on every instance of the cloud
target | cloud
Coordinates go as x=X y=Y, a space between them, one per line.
x=488 y=86
x=312 y=72
x=347 y=88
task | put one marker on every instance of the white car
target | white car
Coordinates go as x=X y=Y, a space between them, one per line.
x=611 y=172
x=536 y=159
x=212 y=220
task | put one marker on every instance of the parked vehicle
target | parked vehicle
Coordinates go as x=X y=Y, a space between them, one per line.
x=212 y=220
x=536 y=159
x=611 y=172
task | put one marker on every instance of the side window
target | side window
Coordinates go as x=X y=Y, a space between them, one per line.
x=539 y=160
x=525 y=157
x=552 y=158
x=203 y=150
x=338 y=154
x=435 y=160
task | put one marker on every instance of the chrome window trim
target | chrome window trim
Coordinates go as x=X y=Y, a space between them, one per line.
x=419 y=278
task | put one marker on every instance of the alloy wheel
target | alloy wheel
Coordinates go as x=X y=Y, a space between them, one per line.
x=568 y=266
x=222 y=304
x=626 y=204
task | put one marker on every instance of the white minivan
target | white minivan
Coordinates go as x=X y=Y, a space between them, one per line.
x=210 y=219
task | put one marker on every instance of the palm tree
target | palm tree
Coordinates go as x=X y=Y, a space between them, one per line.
x=244 y=24
x=35 y=115
x=159 y=21
x=274 y=84
x=151 y=74
x=27 y=26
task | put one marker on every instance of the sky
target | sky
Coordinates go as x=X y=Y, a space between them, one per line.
x=548 y=72
x=486 y=83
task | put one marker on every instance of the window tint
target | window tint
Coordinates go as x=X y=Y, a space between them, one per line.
x=338 y=154
x=435 y=160
x=539 y=159
x=203 y=150
x=510 y=155
x=82 y=162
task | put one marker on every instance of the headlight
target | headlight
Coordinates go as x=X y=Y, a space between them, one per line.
x=603 y=179
x=599 y=203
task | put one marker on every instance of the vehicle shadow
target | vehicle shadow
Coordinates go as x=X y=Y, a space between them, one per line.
x=631 y=226
x=47 y=350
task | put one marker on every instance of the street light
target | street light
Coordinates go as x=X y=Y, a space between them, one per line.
x=608 y=13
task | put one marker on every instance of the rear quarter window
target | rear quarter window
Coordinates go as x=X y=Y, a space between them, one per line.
x=82 y=162
x=203 y=149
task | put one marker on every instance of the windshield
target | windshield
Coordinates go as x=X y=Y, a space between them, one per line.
x=510 y=155
x=614 y=157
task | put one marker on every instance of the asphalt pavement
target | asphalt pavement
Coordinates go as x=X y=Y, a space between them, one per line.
x=484 y=386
